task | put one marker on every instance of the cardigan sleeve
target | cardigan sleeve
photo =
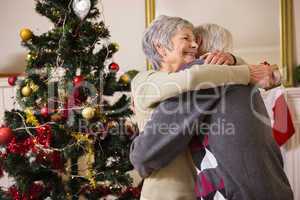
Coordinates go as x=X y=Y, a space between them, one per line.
x=151 y=87
x=240 y=61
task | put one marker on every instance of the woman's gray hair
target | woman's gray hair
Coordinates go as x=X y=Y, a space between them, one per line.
x=160 y=32
x=214 y=37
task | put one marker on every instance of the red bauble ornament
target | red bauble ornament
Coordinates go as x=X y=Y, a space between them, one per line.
x=12 y=80
x=5 y=135
x=45 y=111
x=114 y=67
x=77 y=80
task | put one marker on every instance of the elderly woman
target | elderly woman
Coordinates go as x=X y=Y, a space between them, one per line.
x=161 y=154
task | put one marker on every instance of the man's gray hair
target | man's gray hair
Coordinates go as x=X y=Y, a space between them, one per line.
x=214 y=37
x=160 y=32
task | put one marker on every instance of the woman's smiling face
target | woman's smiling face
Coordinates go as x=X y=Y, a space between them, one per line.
x=184 y=49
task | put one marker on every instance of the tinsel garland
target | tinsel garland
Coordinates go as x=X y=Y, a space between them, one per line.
x=30 y=117
x=89 y=148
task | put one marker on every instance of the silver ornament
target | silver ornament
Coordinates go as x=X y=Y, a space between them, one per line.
x=81 y=8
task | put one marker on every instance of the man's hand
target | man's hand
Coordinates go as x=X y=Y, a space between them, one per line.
x=218 y=58
x=262 y=75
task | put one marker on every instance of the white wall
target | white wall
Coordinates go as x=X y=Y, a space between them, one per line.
x=124 y=18
x=254 y=24
x=126 y=21
x=15 y=15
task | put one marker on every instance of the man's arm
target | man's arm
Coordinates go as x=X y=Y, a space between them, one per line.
x=167 y=135
x=222 y=58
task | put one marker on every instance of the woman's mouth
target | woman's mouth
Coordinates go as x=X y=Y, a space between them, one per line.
x=190 y=54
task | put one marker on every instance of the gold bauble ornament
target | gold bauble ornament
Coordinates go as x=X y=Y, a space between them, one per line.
x=26 y=34
x=88 y=113
x=26 y=91
x=125 y=79
x=117 y=46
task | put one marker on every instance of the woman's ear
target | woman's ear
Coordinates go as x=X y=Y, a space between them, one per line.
x=160 y=49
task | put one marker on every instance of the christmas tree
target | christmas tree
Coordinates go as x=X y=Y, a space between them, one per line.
x=67 y=140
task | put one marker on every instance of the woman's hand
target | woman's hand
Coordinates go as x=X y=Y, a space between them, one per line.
x=218 y=58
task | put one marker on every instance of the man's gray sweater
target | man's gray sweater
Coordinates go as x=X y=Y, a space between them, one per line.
x=249 y=160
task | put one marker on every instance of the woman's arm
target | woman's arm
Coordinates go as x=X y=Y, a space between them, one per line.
x=240 y=61
x=152 y=87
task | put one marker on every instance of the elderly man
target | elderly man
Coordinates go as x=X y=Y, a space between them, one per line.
x=162 y=154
